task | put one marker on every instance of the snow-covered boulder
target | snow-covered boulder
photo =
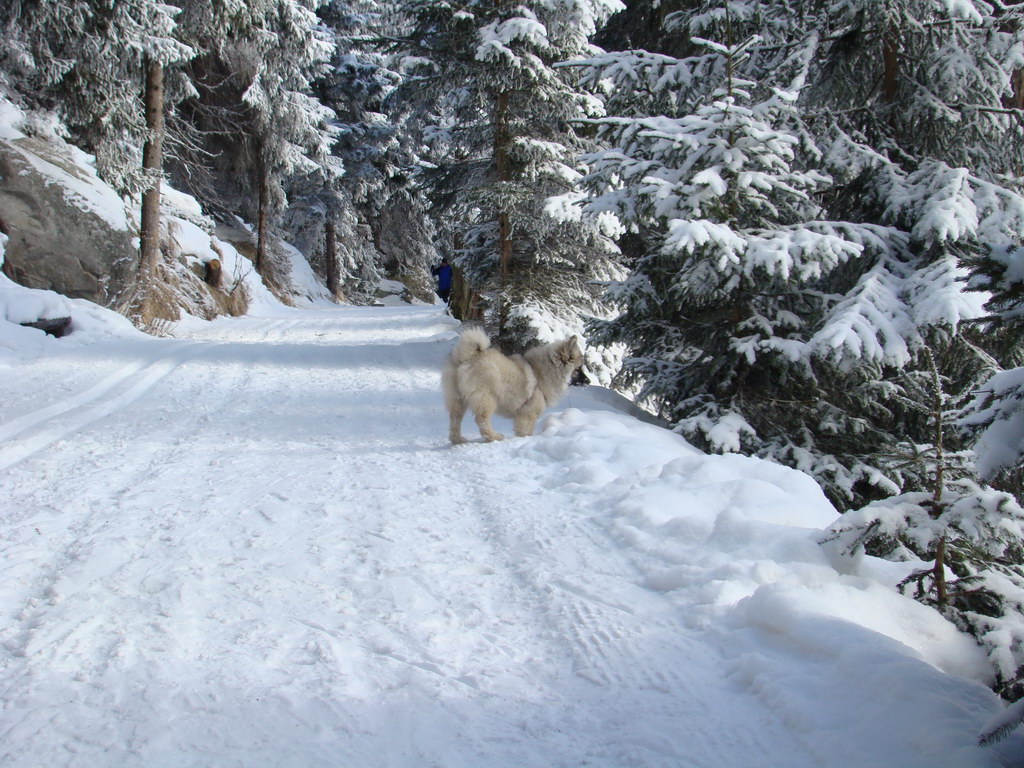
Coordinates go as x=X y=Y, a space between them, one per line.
x=68 y=231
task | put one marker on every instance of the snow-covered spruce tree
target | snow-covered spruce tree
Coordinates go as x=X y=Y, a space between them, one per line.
x=255 y=116
x=721 y=317
x=499 y=120
x=879 y=311
x=87 y=62
x=916 y=103
x=995 y=417
x=913 y=107
x=963 y=541
x=979 y=530
x=380 y=146
x=920 y=80
x=919 y=113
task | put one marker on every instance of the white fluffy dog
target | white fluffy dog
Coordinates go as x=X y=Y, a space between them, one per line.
x=520 y=387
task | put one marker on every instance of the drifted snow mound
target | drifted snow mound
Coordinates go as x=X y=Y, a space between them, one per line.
x=732 y=540
x=18 y=304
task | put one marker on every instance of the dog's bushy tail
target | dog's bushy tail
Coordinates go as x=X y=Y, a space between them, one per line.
x=471 y=343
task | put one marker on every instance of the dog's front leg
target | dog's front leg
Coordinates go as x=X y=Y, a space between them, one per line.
x=524 y=426
x=526 y=417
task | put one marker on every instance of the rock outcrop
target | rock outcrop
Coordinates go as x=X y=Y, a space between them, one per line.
x=68 y=231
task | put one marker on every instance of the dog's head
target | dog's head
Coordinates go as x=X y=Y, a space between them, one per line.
x=579 y=376
x=569 y=355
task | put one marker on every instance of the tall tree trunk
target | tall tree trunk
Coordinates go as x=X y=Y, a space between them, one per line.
x=262 y=215
x=503 y=166
x=938 y=402
x=1017 y=100
x=465 y=300
x=939 y=573
x=331 y=260
x=1017 y=81
x=152 y=167
x=890 y=64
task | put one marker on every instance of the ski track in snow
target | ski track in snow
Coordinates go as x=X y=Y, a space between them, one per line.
x=254 y=547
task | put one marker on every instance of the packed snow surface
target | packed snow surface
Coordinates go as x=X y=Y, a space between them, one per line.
x=249 y=544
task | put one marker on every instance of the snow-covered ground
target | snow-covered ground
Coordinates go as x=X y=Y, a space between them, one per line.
x=249 y=545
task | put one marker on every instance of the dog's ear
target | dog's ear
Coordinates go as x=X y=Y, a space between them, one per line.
x=569 y=352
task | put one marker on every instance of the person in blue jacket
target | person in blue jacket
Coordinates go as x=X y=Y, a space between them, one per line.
x=443 y=274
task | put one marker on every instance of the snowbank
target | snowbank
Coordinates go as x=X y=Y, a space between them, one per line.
x=89 y=322
x=732 y=540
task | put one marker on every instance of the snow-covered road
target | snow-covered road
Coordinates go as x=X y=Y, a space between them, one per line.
x=250 y=545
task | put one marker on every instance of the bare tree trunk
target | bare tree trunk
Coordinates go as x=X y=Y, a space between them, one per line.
x=262 y=216
x=465 y=302
x=331 y=260
x=939 y=573
x=890 y=64
x=1017 y=80
x=152 y=167
x=939 y=570
x=504 y=169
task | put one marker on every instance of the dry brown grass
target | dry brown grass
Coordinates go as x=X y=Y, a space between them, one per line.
x=180 y=286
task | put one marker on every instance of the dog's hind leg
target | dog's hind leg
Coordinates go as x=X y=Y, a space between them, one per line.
x=455 y=403
x=456 y=410
x=483 y=410
x=483 y=420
